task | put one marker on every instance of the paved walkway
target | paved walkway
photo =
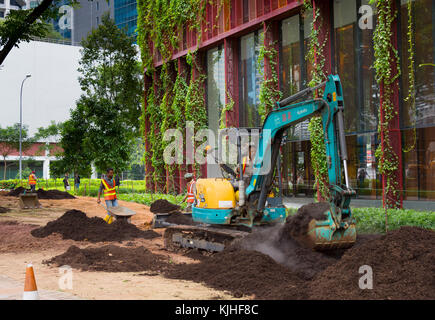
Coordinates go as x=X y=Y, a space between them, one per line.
x=296 y=202
x=11 y=289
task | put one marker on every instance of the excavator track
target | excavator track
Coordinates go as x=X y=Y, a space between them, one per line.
x=200 y=237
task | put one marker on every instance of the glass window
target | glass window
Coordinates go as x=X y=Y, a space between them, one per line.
x=424 y=53
x=370 y=90
x=419 y=166
x=344 y=26
x=215 y=86
x=250 y=79
x=308 y=21
x=291 y=57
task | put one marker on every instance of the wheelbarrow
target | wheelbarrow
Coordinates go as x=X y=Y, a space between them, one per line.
x=120 y=213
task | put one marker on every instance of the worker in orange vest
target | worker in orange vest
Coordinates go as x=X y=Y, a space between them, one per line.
x=248 y=165
x=32 y=181
x=108 y=186
x=190 y=196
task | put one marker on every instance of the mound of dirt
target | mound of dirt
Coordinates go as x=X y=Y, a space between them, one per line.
x=402 y=262
x=303 y=261
x=16 y=192
x=15 y=237
x=54 y=194
x=111 y=259
x=296 y=226
x=163 y=206
x=75 y=225
x=43 y=194
x=243 y=273
x=4 y=210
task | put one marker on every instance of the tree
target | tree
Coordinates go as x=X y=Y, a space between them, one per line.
x=22 y=25
x=49 y=134
x=111 y=72
x=10 y=142
x=105 y=123
x=75 y=157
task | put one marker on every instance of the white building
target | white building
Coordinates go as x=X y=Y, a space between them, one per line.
x=48 y=95
x=7 y=5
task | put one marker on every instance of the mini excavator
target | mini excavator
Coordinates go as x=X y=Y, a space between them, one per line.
x=225 y=207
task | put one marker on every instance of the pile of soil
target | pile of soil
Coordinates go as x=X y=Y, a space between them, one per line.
x=4 y=210
x=303 y=261
x=403 y=264
x=296 y=226
x=163 y=206
x=16 y=192
x=111 y=259
x=15 y=237
x=43 y=194
x=243 y=273
x=54 y=194
x=75 y=225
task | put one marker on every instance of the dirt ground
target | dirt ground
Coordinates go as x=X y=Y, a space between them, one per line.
x=18 y=247
x=269 y=263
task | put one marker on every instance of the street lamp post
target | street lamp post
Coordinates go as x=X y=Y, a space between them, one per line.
x=21 y=119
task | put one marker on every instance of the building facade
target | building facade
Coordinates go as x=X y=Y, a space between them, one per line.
x=7 y=5
x=48 y=95
x=125 y=15
x=229 y=53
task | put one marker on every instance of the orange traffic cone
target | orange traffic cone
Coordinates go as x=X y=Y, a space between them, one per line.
x=30 y=290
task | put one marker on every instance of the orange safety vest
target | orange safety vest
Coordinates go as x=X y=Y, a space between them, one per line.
x=32 y=179
x=109 y=192
x=190 y=195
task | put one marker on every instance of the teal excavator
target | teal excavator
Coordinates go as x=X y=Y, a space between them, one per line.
x=226 y=208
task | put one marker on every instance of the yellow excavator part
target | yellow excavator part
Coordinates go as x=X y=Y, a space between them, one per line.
x=215 y=194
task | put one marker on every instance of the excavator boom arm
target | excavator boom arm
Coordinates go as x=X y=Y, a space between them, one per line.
x=330 y=108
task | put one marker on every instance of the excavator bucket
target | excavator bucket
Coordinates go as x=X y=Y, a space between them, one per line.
x=29 y=201
x=325 y=235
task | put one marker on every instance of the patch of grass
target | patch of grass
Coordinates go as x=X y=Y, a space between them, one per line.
x=372 y=220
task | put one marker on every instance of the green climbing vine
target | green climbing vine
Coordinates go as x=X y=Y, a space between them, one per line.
x=195 y=109
x=227 y=108
x=315 y=126
x=411 y=76
x=385 y=57
x=170 y=104
x=269 y=89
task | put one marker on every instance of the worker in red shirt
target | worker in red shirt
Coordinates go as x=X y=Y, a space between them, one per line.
x=190 y=196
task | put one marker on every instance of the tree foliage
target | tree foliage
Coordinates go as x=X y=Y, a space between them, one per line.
x=104 y=125
x=23 y=25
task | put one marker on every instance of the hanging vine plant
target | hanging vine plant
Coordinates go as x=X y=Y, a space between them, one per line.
x=269 y=90
x=385 y=57
x=159 y=25
x=315 y=126
x=227 y=108
x=411 y=76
